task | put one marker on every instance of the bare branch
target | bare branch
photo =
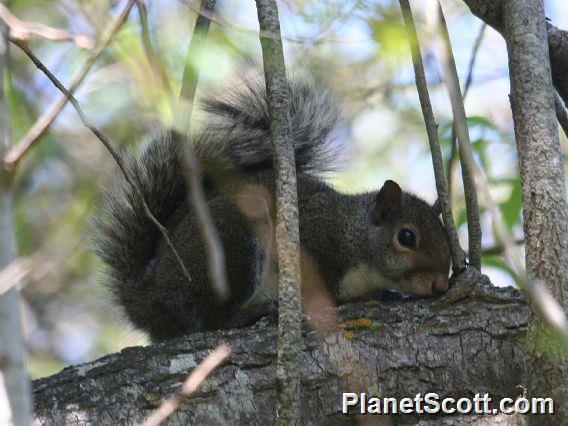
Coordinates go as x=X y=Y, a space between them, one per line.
x=15 y=395
x=192 y=175
x=458 y=258
x=288 y=409
x=491 y=12
x=468 y=82
x=109 y=148
x=15 y=154
x=23 y=31
x=310 y=41
x=190 y=386
x=467 y=160
x=153 y=59
x=499 y=248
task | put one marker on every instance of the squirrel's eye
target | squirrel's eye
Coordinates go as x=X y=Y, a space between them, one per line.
x=406 y=238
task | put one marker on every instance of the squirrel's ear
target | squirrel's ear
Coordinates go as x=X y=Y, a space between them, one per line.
x=387 y=202
x=437 y=207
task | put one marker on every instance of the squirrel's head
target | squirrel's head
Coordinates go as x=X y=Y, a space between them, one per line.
x=413 y=247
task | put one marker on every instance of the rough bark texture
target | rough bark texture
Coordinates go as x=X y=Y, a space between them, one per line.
x=14 y=384
x=287 y=221
x=456 y=346
x=545 y=213
x=491 y=12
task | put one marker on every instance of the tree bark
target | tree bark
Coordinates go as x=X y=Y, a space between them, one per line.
x=545 y=212
x=287 y=235
x=15 y=404
x=456 y=346
x=491 y=12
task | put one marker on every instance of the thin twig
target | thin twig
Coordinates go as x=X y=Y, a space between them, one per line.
x=20 y=30
x=310 y=41
x=538 y=292
x=109 y=148
x=190 y=386
x=153 y=59
x=458 y=258
x=467 y=159
x=468 y=82
x=561 y=114
x=42 y=124
x=190 y=166
x=500 y=248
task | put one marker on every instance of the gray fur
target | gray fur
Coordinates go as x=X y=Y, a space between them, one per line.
x=341 y=235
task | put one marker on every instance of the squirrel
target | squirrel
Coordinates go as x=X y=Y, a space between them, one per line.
x=352 y=244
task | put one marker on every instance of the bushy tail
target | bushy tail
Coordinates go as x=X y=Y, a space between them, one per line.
x=237 y=128
x=236 y=135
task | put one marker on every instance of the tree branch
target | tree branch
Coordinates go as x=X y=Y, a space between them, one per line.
x=101 y=137
x=467 y=160
x=15 y=400
x=16 y=153
x=190 y=386
x=468 y=82
x=545 y=211
x=287 y=222
x=20 y=30
x=190 y=166
x=458 y=258
x=491 y=12
x=153 y=59
x=126 y=387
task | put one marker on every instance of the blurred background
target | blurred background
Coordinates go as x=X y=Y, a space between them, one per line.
x=356 y=47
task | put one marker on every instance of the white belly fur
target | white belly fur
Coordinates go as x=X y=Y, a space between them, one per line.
x=360 y=280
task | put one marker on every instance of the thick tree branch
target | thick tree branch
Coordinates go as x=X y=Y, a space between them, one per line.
x=545 y=211
x=467 y=343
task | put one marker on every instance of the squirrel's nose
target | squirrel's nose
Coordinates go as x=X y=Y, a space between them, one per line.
x=439 y=284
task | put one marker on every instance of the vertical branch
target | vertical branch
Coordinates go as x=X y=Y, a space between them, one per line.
x=155 y=62
x=191 y=71
x=458 y=258
x=287 y=228
x=14 y=384
x=468 y=81
x=182 y=125
x=467 y=160
x=545 y=211
x=545 y=217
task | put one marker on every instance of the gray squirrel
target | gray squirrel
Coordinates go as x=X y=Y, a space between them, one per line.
x=353 y=244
